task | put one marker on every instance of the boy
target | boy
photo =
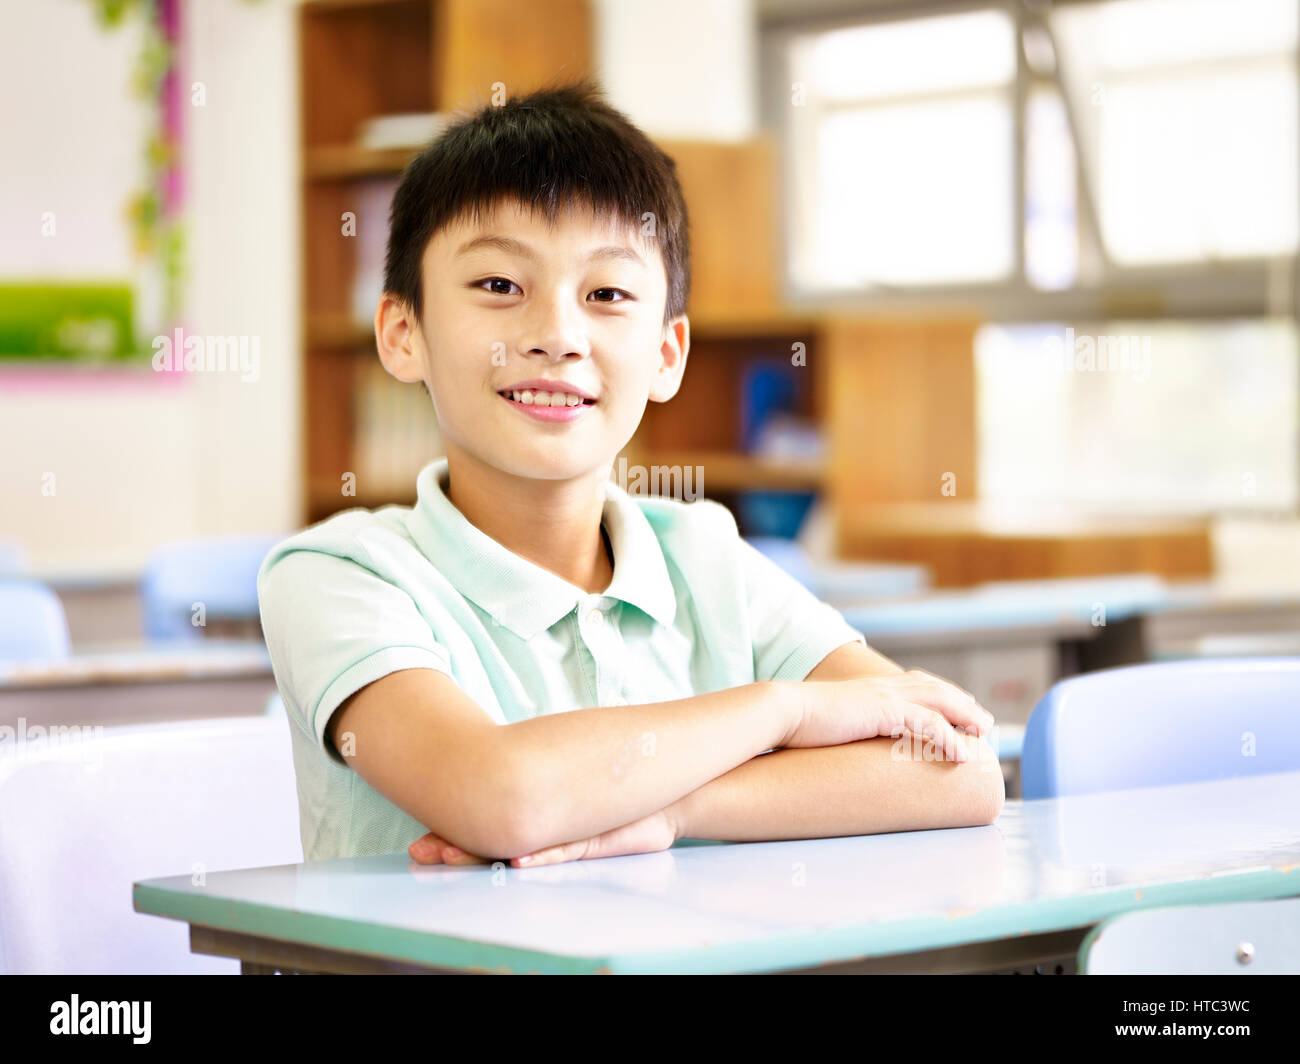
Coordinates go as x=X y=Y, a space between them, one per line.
x=431 y=658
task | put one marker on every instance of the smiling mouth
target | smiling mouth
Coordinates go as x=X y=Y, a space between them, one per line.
x=530 y=397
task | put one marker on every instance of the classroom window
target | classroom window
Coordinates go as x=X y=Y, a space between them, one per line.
x=902 y=153
x=1150 y=416
x=1051 y=193
x=1187 y=120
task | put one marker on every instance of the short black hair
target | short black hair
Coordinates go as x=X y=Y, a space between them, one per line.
x=554 y=148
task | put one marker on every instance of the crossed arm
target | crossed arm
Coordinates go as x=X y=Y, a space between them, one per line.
x=857 y=788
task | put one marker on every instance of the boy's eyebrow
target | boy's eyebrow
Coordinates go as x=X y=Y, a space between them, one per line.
x=511 y=246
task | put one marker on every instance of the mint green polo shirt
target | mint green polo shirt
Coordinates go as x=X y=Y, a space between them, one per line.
x=691 y=608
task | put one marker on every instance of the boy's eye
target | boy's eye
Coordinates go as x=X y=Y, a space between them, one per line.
x=605 y=298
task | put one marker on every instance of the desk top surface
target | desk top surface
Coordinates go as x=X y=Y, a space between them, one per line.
x=1046 y=865
x=1057 y=607
x=136 y=662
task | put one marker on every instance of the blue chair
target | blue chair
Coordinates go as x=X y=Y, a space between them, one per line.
x=1164 y=723
x=219 y=573
x=32 y=622
x=13 y=560
x=1232 y=938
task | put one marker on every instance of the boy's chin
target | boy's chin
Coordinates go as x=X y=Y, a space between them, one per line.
x=572 y=464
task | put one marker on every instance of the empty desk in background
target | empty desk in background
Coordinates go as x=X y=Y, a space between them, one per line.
x=1006 y=643
x=135 y=684
x=1019 y=892
x=100 y=606
x=1219 y=619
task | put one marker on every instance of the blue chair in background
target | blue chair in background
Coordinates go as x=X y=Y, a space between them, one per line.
x=32 y=622
x=13 y=560
x=1225 y=938
x=219 y=573
x=1164 y=723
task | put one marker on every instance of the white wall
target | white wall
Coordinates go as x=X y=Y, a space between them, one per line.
x=139 y=458
x=680 y=69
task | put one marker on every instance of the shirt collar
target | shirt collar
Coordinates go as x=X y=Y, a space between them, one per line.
x=522 y=596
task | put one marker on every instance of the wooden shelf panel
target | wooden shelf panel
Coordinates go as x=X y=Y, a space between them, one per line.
x=325 y=495
x=338 y=330
x=730 y=471
x=361 y=60
x=966 y=543
x=349 y=160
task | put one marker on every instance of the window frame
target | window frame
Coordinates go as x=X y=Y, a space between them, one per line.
x=1258 y=285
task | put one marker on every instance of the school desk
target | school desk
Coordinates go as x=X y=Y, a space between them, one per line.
x=134 y=682
x=1221 y=619
x=1022 y=891
x=100 y=604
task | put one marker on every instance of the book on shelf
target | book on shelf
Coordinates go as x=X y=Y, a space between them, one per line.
x=413 y=130
x=396 y=433
x=374 y=199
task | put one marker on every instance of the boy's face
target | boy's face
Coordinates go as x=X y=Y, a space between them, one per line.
x=510 y=301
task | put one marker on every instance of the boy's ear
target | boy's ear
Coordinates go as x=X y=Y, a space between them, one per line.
x=672 y=360
x=398 y=339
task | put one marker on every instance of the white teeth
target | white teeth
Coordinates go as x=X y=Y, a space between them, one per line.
x=540 y=398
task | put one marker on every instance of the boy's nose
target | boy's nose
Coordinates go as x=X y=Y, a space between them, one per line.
x=556 y=331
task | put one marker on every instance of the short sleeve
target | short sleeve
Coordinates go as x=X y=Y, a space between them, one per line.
x=792 y=629
x=331 y=627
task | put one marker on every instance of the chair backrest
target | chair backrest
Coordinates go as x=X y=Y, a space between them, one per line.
x=220 y=573
x=80 y=822
x=1164 y=723
x=13 y=559
x=1224 y=938
x=32 y=622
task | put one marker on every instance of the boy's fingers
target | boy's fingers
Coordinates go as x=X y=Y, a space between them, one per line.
x=930 y=725
x=956 y=705
x=567 y=851
x=427 y=849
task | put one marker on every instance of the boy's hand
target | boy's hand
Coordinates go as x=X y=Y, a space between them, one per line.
x=650 y=834
x=845 y=711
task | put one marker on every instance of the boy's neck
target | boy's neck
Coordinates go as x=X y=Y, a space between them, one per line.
x=553 y=524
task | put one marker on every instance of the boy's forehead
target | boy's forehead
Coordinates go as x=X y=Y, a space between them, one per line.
x=508 y=218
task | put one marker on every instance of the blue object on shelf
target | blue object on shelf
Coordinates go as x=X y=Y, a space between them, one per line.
x=767 y=388
x=774 y=513
x=1164 y=723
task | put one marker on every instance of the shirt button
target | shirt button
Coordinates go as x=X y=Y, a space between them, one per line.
x=595 y=617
